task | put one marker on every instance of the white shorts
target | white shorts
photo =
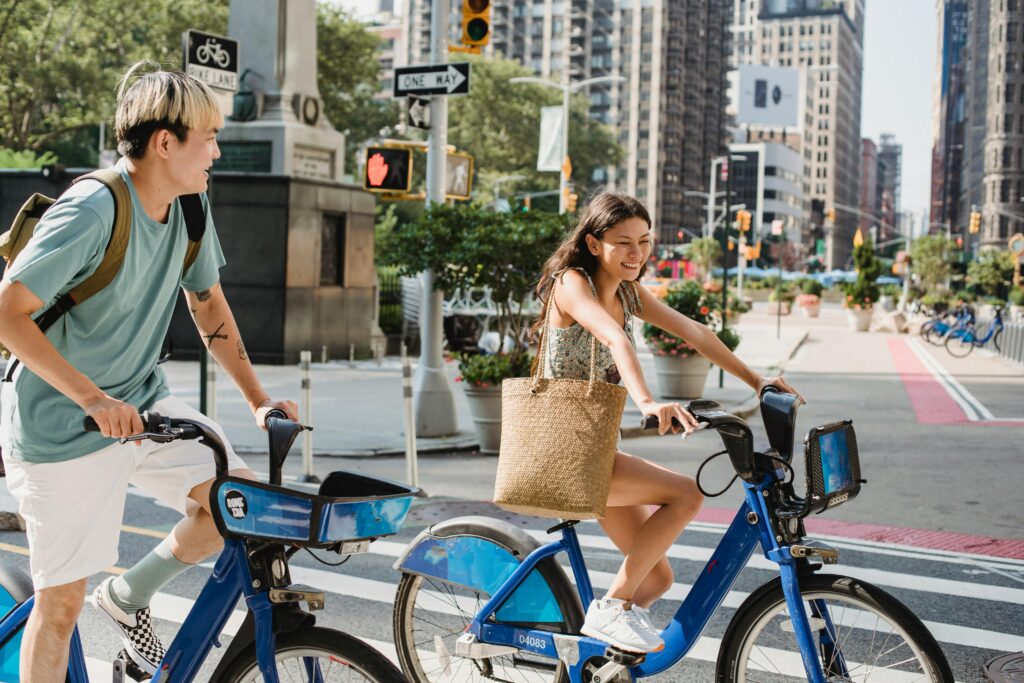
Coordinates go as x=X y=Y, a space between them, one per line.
x=73 y=509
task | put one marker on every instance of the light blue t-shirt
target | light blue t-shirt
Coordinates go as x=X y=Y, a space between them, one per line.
x=115 y=337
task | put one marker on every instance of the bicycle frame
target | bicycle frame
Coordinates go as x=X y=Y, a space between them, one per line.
x=199 y=633
x=749 y=527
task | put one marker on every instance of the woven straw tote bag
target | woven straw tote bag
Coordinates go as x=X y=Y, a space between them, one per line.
x=558 y=439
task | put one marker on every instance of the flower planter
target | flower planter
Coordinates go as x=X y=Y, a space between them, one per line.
x=886 y=302
x=681 y=376
x=485 y=407
x=810 y=305
x=773 y=308
x=859 y=318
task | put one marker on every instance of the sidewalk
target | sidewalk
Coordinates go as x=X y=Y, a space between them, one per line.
x=357 y=408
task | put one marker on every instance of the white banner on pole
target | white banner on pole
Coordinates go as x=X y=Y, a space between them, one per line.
x=549 y=155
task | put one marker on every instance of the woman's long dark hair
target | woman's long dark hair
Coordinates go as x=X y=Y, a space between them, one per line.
x=605 y=211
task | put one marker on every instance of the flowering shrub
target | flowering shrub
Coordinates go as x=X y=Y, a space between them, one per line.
x=698 y=304
x=487 y=370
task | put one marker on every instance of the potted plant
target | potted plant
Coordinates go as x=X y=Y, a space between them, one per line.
x=1016 y=301
x=780 y=300
x=681 y=371
x=889 y=294
x=862 y=294
x=809 y=299
x=467 y=247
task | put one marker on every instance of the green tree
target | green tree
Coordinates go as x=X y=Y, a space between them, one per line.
x=348 y=79
x=499 y=124
x=864 y=292
x=991 y=271
x=932 y=258
x=704 y=252
x=62 y=60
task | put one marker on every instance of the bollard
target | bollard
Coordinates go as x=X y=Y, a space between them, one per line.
x=211 y=390
x=351 y=354
x=306 y=412
x=323 y=354
x=411 y=466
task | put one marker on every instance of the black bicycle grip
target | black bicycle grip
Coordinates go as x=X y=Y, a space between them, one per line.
x=652 y=422
x=89 y=424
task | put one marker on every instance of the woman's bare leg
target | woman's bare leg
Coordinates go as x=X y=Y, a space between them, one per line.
x=644 y=537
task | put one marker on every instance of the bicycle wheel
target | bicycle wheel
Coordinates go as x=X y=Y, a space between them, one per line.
x=932 y=334
x=430 y=615
x=996 y=339
x=961 y=345
x=880 y=639
x=317 y=654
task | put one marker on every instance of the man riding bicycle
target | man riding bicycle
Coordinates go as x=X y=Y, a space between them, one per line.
x=100 y=358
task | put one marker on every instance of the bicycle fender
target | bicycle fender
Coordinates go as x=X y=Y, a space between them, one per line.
x=480 y=553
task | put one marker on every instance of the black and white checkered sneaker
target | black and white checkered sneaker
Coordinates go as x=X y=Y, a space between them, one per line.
x=136 y=630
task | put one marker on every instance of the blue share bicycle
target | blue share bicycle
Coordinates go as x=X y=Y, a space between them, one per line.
x=960 y=342
x=482 y=600
x=263 y=526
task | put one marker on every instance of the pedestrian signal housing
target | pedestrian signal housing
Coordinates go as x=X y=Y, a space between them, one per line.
x=975 y=224
x=476 y=22
x=388 y=169
x=743 y=219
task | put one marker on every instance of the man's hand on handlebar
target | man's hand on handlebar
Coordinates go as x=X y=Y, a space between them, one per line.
x=671 y=416
x=114 y=418
x=780 y=384
x=289 y=408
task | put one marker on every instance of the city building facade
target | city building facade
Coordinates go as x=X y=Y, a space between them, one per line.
x=948 y=117
x=824 y=39
x=890 y=173
x=870 y=190
x=668 y=113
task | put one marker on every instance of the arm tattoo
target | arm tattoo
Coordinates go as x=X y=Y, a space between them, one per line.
x=216 y=335
x=241 y=351
x=204 y=295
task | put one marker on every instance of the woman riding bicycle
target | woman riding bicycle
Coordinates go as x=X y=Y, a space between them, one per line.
x=593 y=281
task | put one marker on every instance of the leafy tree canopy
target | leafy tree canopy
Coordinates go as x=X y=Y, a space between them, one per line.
x=932 y=256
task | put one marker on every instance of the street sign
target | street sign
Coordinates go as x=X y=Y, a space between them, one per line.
x=459 y=175
x=432 y=79
x=418 y=112
x=388 y=169
x=213 y=60
x=777 y=225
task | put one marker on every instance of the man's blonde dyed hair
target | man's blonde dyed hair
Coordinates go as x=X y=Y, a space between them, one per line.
x=161 y=100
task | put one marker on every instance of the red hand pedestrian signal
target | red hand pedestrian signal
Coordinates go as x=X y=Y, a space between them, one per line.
x=388 y=169
x=377 y=169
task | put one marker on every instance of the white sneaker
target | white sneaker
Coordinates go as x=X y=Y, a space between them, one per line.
x=608 y=620
x=643 y=615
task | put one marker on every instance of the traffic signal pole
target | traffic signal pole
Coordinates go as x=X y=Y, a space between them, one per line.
x=434 y=403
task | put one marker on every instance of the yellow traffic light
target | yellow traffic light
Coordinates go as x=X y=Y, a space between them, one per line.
x=476 y=22
x=830 y=215
x=743 y=219
x=570 y=204
x=975 y=224
x=526 y=203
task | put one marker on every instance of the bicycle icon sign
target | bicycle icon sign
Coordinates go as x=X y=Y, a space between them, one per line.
x=211 y=58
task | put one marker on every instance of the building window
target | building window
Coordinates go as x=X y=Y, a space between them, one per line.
x=332 y=250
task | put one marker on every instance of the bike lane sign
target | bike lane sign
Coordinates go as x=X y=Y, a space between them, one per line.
x=213 y=60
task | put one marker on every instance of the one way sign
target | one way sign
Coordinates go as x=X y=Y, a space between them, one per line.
x=432 y=79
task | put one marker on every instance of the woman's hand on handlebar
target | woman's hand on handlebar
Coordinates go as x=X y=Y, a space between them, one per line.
x=288 y=407
x=780 y=384
x=114 y=418
x=665 y=413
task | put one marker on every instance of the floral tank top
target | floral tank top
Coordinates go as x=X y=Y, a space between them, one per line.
x=568 y=348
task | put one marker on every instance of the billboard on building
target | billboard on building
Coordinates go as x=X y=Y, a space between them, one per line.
x=768 y=95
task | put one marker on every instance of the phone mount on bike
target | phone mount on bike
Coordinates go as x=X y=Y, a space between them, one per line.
x=281 y=435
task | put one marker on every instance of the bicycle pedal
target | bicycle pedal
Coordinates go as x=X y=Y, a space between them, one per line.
x=627 y=659
x=124 y=665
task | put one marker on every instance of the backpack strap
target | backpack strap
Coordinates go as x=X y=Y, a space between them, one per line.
x=113 y=257
x=195 y=225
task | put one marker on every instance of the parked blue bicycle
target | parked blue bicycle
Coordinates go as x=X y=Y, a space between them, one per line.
x=480 y=599
x=936 y=330
x=263 y=526
x=962 y=341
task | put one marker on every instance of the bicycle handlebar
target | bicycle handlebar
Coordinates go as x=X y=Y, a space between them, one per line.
x=162 y=429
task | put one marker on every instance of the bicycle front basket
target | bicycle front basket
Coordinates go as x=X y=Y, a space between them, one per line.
x=833 y=465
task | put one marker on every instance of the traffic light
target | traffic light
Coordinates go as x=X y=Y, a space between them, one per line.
x=570 y=204
x=388 y=169
x=959 y=242
x=975 y=225
x=743 y=219
x=526 y=203
x=476 y=22
x=830 y=215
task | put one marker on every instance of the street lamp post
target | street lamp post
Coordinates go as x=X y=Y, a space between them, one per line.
x=567 y=90
x=711 y=199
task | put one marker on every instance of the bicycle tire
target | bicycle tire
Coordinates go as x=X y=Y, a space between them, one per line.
x=414 y=651
x=932 y=335
x=766 y=608
x=341 y=650
x=961 y=346
x=995 y=340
